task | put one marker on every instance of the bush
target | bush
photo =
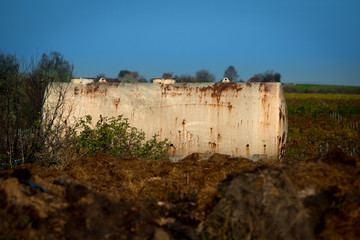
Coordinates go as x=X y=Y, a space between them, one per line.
x=116 y=137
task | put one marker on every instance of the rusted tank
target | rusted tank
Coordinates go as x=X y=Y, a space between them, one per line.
x=238 y=119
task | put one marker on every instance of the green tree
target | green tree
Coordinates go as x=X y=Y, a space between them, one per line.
x=204 y=76
x=231 y=74
x=54 y=68
x=277 y=77
x=142 y=79
x=126 y=76
x=122 y=73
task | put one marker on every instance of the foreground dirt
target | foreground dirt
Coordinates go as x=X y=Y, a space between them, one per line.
x=101 y=197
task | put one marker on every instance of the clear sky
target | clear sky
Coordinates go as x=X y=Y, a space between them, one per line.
x=307 y=41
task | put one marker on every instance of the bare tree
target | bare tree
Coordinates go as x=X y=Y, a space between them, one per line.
x=56 y=130
x=167 y=75
x=11 y=98
x=142 y=79
x=50 y=68
x=21 y=105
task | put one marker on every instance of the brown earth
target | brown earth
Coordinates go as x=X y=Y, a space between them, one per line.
x=221 y=197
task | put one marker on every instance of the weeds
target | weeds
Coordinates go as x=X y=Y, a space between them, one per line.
x=55 y=145
x=116 y=137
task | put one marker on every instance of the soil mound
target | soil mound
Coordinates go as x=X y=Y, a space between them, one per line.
x=67 y=209
x=100 y=197
x=260 y=204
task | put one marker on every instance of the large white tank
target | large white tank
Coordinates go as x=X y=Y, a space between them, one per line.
x=238 y=119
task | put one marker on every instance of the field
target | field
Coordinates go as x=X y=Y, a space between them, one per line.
x=312 y=193
x=316 y=88
x=318 y=122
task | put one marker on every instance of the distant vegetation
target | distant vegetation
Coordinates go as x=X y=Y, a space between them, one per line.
x=30 y=135
x=268 y=76
x=201 y=76
x=318 y=122
x=126 y=76
x=313 y=88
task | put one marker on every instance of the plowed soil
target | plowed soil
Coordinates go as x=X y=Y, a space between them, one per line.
x=219 y=197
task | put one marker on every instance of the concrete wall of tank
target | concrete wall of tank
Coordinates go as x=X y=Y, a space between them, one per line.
x=239 y=119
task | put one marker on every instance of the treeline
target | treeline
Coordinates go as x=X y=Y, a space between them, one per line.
x=127 y=76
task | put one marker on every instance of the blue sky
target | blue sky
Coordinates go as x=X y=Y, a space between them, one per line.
x=307 y=41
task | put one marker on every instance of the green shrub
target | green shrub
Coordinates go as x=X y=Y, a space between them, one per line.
x=116 y=137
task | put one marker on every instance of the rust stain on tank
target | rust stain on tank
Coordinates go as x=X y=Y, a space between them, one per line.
x=89 y=88
x=217 y=89
x=264 y=149
x=76 y=91
x=266 y=107
x=116 y=102
x=191 y=136
x=183 y=124
x=263 y=87
x=160 y=132
x=165 y=88
x=229 y=106
x=247 y=150
x=283 y=138
x=212 y=146
x=279 y=141
x=172 y=150
x=96 y=88
x=281 y=116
